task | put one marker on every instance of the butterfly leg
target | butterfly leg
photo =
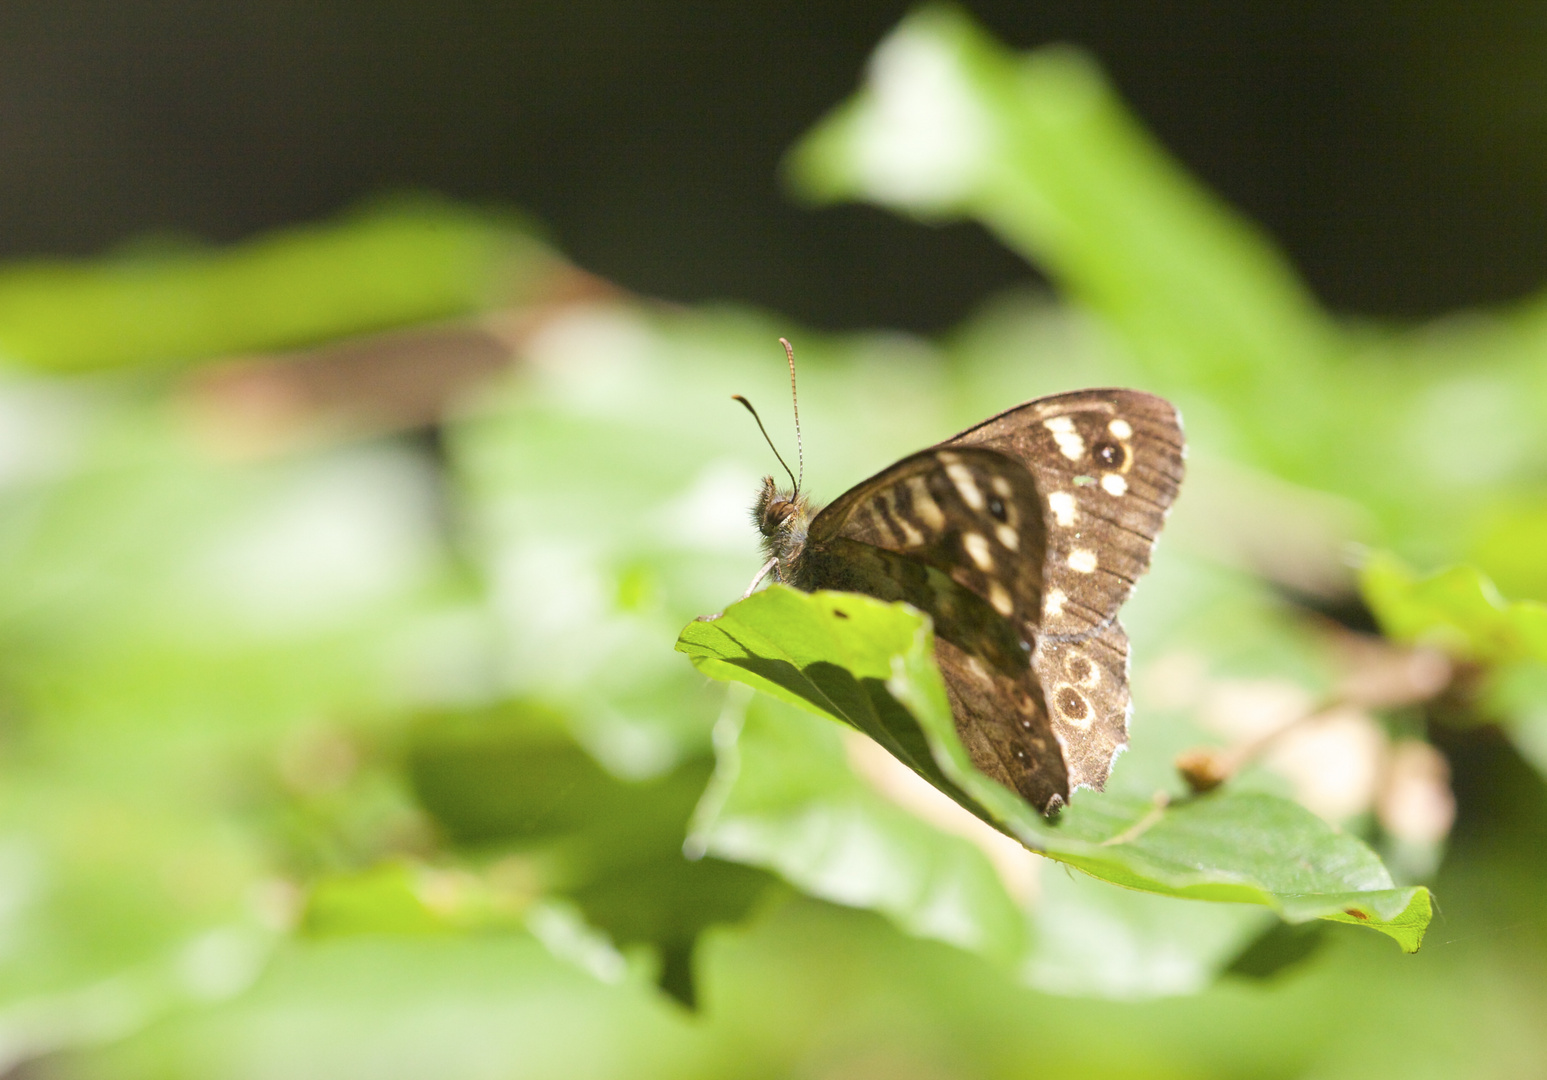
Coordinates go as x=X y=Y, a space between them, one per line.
x=761 y=574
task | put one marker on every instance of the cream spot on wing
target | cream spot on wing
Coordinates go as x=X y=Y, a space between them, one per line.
x=878 y=523
x=1121 y=428
x=946 y=457
x=1001 y=487
x=975 y=666
x=911 y=537
x=1070 y=444
x=999 y=596
x=1008 y=537
x=1082 y=561
x=1061 y=503
x=966 y=486
x=1053 y=603
x=977 y=547
x=1114 y=484
x=1059 y=424
x=924 y=506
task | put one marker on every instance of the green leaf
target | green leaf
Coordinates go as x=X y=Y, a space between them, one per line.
x=871 y=666
x=785 y=798
x=1457 y=609
x=382 y=900
x=511 y=776
x=1040 y=149
x=1517 y=693
x=389 y=266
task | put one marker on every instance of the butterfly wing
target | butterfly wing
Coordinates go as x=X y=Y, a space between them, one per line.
x=1021 y=537
x=1107 y=465
x=959 y=534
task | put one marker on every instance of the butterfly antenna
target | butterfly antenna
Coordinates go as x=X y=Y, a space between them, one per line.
x=800 y=452
x=771 y=446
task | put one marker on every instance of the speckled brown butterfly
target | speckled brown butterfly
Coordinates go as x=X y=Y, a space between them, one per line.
x=1021 y=537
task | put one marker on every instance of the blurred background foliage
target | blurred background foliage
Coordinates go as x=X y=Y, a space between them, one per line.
x=340 y=729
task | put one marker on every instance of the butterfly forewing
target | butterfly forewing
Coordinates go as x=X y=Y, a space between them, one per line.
x=972 y=513
x=1107 y=465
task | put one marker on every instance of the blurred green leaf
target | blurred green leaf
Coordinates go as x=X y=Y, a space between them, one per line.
x=387 y=266
x=381 y=900
x=1039 y=148
x=1457 y=609
x=870 y=665
x=785 y=798
x=510 y=777
x=1517 y=694
x=1096 y=941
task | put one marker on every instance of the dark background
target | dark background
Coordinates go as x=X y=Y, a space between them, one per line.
x=1398 y=150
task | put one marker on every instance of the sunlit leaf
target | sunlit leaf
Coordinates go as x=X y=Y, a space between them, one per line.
x=391 y=266
x=870 y=665
x=1040 y=149
x=786 y=796
x=1457 y=609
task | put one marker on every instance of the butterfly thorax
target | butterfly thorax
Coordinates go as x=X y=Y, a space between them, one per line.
x=783 y=516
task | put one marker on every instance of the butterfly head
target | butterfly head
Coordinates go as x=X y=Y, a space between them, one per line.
x=782 y=516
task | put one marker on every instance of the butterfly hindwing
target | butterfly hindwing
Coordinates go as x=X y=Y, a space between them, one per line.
x=1003 y=722
x=1085 y=685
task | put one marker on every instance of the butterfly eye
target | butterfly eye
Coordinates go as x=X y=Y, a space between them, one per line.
x=1109 y=454
x=775 y=514
x=996 y=507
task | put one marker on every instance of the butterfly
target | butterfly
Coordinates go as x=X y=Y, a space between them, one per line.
x=1021 y=537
